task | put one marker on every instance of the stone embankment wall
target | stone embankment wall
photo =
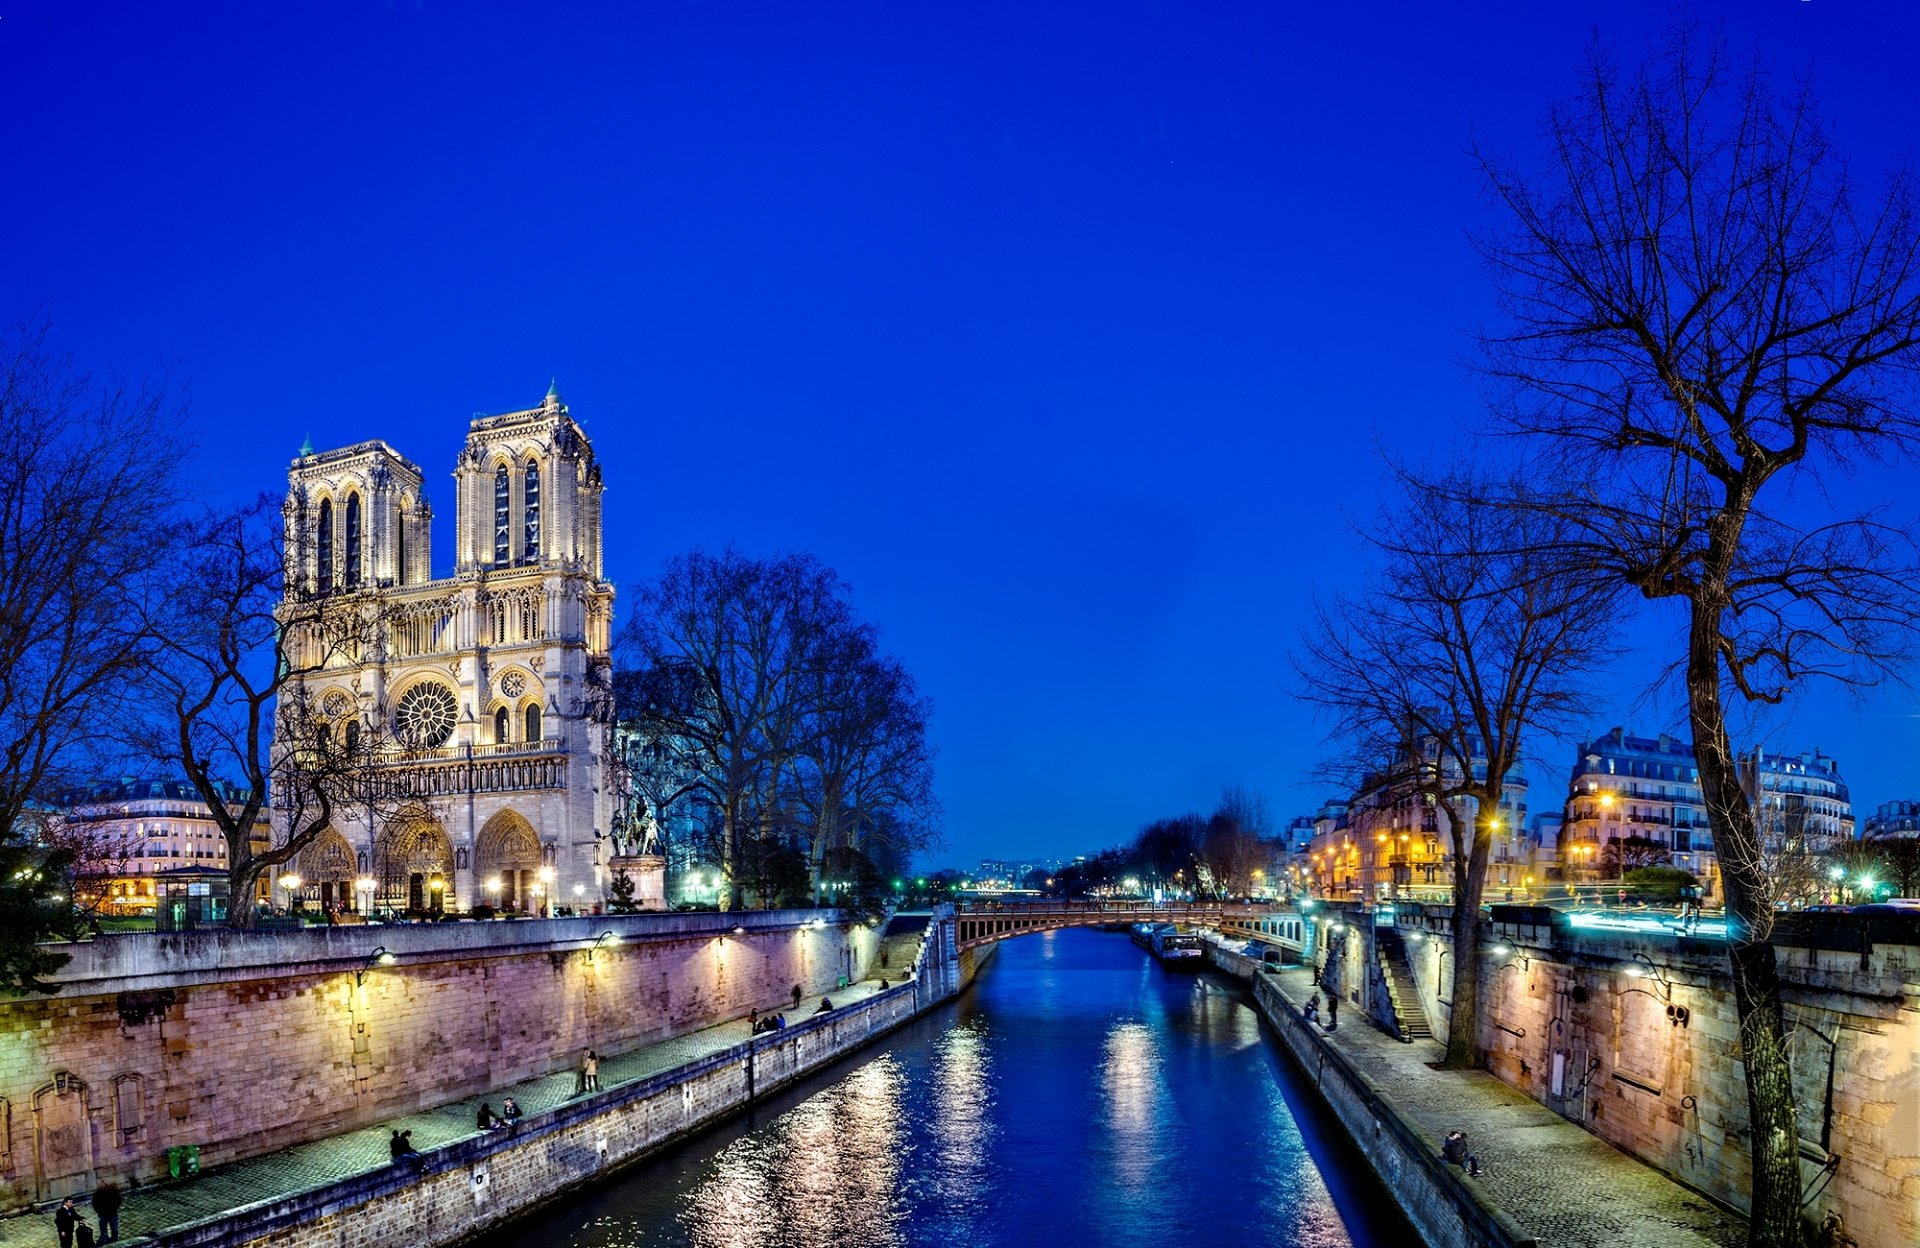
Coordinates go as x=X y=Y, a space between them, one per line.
x=244 y=1043
x=1635 y=1036
x=1441 y=1204
x=489 y=1179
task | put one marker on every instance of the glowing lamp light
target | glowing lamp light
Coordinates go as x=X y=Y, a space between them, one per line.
x=1500 y=951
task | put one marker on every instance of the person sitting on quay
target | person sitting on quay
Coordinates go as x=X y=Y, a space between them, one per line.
x=1312 y=1010
x=510 y=1113
x=485 y=1119
x=401 y=1146
x=826 y=1003
x=1454 y=1151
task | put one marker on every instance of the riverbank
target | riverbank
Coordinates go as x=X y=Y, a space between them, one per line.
x=346 y=1190
x=1543 y=1180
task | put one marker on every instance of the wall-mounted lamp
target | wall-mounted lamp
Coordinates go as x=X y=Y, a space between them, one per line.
x=1505 y=950
x=739 y=931
x=379 y=957
x=605 y=939
x=1642 y=967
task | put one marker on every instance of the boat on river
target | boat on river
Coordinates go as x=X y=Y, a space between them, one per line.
x=1170 y=946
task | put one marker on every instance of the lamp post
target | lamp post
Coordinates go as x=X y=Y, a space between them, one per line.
x=544 y=891
x=291 y=884
x=365 y=886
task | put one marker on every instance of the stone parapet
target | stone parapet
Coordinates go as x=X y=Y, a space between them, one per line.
x=482 y=1182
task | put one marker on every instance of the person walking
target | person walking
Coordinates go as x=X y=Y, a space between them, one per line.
x=65 y=1218
x=106 y=1206
x=1333 y=1011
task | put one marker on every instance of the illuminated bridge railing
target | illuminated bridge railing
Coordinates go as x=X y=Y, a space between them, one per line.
x=982 y=922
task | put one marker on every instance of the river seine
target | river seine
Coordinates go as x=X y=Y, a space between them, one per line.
x=1078 y=1093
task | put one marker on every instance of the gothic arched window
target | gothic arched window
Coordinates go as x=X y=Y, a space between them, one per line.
x=533 y=723
x=533 y=513
x=351 y=577
x=323 y=546
x=500 y=726
x=502 y=524
x=353 y=738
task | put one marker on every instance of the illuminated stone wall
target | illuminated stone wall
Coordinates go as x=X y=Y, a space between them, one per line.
x=243 y=1043
x=1634 y=1035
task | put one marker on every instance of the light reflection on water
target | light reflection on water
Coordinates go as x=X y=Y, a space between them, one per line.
x=1077 y=1095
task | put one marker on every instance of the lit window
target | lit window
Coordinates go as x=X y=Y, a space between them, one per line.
x=533 y=513
x=323 y=546
x=352 y=576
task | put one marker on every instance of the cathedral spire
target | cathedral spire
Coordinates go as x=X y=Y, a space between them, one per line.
x=306 y=447
x=553 y=394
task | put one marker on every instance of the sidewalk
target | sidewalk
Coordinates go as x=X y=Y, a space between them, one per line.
x=272 y=1175
x=1562 y=1184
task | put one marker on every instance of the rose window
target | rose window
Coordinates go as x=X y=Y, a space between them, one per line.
x=511 y=684
x=426 y=715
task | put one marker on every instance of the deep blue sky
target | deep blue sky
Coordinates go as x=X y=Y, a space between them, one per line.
x=1065 y=331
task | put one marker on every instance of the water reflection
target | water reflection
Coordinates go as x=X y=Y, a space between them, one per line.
x=1130 y=1084
x=825 y=1172
x=1078 y=1095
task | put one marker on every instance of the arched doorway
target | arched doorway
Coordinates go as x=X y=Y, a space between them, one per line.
x=415 y=864
x=326 y=871
x=506 y=860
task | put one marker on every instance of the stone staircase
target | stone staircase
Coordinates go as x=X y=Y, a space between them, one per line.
x=900 y=946
x=1409 y=1019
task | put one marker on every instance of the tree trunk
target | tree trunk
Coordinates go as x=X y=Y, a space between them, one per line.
x=1774 y=1219
x=1469 y=883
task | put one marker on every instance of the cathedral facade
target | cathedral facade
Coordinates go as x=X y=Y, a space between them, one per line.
x=489 y=690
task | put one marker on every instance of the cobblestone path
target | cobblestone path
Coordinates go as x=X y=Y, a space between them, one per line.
x=1564 y=1185
x=272 y=1176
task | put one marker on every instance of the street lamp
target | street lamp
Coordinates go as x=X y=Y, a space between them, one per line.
x=291 y=883
x=365 y=886
x=542 y=890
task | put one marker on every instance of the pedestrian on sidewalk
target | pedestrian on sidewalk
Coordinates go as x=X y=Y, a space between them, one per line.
x=797 y=994
x=592 y=1068
x=753 y=1022
x=106 y=1206
x=65 y=1218
x=1333 y=1011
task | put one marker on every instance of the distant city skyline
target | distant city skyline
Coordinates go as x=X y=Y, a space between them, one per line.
x=1067 y=335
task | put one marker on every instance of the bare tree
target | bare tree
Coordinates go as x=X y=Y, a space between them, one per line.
x=83 y=489
x=731 y=640
x=1700 y=312
x=235 y=703
x=866 y=767
x=1472 y=635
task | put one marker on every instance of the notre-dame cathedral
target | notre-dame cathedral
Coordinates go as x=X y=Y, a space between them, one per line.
x=483 y=681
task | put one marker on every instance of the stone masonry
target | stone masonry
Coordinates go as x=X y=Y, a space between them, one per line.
x=245 y=1043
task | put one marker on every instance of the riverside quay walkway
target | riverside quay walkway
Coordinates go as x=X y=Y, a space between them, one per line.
x=1557 y=1185
x=159 y=1209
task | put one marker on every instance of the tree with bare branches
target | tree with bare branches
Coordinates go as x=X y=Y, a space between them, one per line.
x=1471 y=636
x=82 y=491
x=1704 y=317
x=234 y=705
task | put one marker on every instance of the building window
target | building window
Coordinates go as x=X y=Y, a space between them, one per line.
x=533 y=513
x=352 y=571
x=323 y=546
x=533 y=723
x=399 y=546
x=502 y=503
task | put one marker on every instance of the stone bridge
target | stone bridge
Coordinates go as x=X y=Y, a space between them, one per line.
x=983 y=922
